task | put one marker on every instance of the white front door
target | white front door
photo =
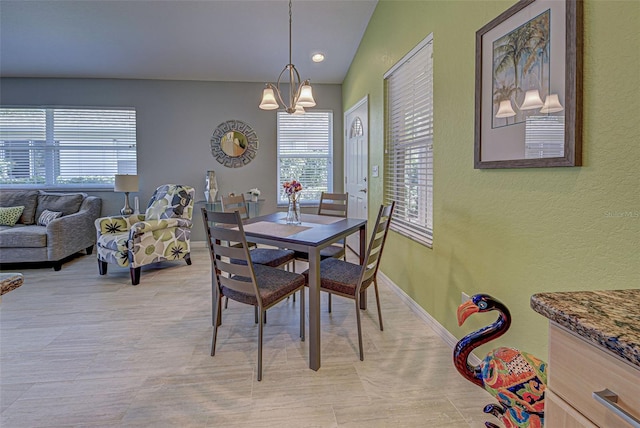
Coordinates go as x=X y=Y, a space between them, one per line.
x=356 y=161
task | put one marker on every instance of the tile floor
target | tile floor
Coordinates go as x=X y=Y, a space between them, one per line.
x=83 y=350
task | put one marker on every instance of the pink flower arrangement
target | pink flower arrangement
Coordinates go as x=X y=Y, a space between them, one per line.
x=291 y=187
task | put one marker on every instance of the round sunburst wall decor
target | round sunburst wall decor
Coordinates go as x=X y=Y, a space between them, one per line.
x=234 y=143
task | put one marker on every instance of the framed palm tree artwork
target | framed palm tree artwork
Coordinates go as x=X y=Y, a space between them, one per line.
x=528 y=110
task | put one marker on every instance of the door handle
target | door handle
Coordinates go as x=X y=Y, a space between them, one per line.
x=609 y=399
x=363 y=190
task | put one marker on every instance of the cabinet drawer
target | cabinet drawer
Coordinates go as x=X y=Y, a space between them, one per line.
x=578 y=368
x=558 y=414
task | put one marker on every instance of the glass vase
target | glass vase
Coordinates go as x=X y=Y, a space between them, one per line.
x=293 y=212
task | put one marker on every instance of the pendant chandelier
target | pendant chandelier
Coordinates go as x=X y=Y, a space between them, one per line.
x=300 y=92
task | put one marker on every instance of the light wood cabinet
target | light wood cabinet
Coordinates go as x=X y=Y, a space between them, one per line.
x=577 y=369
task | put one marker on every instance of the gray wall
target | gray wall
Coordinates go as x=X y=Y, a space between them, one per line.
x=175 y=123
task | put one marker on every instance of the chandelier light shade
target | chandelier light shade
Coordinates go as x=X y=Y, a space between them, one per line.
x=505 y=109
x=532 y=100
x=551 y=104
x=300 y=92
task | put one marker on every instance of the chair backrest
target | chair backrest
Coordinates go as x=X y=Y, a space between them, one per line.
x=333 y=204
x=376 y=245
x=234 y=203
x=171 y=201
x=231 y=263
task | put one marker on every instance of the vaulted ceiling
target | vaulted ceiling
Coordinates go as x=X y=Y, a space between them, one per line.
x=216 y=40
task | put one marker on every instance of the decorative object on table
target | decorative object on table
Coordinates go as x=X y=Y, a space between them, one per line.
x=136 y=205
x=126 y=183
x=515 y=378
x=300 y=92
x=529 y=86
x=211 y=187
x=234 y=143
x=292 y=189
x=162 y=233
x=254 y=193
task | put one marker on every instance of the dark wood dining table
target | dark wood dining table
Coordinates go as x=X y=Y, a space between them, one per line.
x=313 y=234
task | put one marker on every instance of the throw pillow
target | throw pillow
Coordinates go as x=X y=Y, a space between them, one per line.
x=10 y=215
x=48 y=216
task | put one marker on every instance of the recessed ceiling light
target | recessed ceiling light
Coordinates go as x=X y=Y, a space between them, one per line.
x=317 y=57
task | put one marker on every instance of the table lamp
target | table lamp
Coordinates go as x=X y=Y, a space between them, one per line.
x=126 y=183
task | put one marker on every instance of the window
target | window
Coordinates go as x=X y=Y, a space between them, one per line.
x=66 y=147
x=409 y=143
x=305 y=153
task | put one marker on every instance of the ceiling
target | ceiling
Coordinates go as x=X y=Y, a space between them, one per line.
x=214 y=40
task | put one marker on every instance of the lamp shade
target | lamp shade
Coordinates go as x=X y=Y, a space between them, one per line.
x=299 y=110
x=532 y=100
x=126 y=183
x=505 y=109
x=551 y=104
x=268 y=100
x=306 y=96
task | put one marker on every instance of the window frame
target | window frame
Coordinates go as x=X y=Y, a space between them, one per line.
x=409 y=143
x=281 y=199
x=59 y=144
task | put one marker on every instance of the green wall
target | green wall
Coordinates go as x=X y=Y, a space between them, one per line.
x=512 y=233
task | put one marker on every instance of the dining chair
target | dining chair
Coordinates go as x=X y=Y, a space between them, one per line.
x=236 y=276
x=234 y=203
x=349 y=279
x=334 y=205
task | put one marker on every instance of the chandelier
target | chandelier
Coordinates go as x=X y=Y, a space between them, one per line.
x=300 y=93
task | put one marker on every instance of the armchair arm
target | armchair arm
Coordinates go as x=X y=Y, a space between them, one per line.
x=116 y=224
x=69 y=234
x=151 y=225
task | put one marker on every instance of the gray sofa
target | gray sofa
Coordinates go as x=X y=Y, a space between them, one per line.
x=62 y=237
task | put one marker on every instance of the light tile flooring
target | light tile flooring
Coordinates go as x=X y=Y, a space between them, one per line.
x=83 y=350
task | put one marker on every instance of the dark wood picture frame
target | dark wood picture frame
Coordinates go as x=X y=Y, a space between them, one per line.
x=572 y=92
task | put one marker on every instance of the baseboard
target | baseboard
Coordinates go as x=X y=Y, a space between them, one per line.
x=430 y=321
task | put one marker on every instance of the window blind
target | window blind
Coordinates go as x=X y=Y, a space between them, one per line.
x=409 y=143
x=305 y=153
x=65 y=147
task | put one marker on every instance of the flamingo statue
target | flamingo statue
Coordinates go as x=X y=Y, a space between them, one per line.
x=515 y=378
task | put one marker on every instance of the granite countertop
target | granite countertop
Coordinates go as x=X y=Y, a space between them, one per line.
x=609 y=319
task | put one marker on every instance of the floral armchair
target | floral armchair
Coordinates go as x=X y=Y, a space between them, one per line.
x=162 y=233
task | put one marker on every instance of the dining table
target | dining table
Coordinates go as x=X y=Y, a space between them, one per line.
x=311 y=235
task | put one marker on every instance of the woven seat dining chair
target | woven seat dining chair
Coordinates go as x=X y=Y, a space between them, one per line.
x=234 y=275
x=334 y=205
x=349 y=279
x=274 y=257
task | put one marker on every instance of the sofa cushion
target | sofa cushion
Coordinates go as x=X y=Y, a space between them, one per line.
x=27 y=198
x=48 y=216
x=23 y=236
x=66 y=203
x=10 y=215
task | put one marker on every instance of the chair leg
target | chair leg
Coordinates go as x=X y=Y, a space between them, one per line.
x=215 y=317
x=260 y=334
x=135 y=275
x=226 y=302
x=255 y=315
x=302 y=314
x=357 y=300
x=187 y=258
x=329 y=305
x=102 y=267
x=375 y=287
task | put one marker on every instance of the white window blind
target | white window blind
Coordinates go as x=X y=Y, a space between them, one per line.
x=305 y=153
x=409 y=143
x=66 y=147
